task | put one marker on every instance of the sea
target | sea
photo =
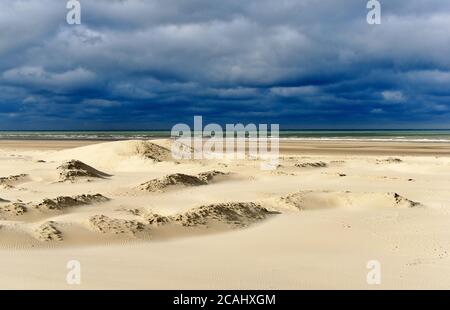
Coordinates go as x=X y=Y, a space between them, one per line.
x=422 y=135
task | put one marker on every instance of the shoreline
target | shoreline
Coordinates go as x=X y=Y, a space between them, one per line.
x=287 y=147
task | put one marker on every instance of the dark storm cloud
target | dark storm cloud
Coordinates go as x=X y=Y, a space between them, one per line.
x=154 y=63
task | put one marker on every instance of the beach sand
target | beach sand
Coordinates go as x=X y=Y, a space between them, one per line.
x=137 y=219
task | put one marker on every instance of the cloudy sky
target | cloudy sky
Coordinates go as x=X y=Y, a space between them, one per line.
x=137 y=64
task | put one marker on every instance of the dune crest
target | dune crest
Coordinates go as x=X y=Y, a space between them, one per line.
x=107 y=225
x=152 y=151
x=12 y=180
x=48 y=232
x=223 y=216
x=56 y=204
x=158 y=185
x=74 y=170
x=179 y=179
x=209 y=176
x=117 y=155
x=63 y=202
x=390 y=160
x=403 y=201
x=319 y=164
x=238 y=214
x=14 y=209
x=316 y=200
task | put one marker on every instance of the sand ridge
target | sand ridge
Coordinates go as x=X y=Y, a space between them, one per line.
x=221 y=216
x=105 y=224
x=153 y=151
x=13 y=209
x=313 y=200
x=158 y=185
x=234 y=214
x=390 y=160
x=180 y=179
x=48 y=232
x=63 y=202
x=110 y=157
x=74 y=170
x=12 y=180
x=17 y=209
x=319 y=164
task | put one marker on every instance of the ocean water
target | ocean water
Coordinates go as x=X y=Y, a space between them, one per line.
x=313 y=135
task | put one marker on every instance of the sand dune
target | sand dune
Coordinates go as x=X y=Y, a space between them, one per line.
x=144 y=224
x=75 y=170
x=152 y=151
x=61 y=203
x=319 y=164
x=209 y=176
x=48 y=232
x=13 y=180
x=227 y=219
x=390 y=160
x=235 y=214
x=179 y=179
x=158 y=185
x=114 y=155
x=107 y=225
x=14 y=209
x=314 y=200
x=211 y=217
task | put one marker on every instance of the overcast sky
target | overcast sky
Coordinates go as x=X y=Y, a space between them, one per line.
x=153 y=63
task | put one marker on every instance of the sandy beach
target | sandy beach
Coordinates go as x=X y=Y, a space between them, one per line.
x=137 y=219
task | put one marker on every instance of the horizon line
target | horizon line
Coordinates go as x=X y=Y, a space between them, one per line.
x=294 y=129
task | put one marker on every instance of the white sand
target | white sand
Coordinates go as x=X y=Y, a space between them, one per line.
x=324 y=223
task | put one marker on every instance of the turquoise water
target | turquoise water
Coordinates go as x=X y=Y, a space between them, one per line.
x=359 y=135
